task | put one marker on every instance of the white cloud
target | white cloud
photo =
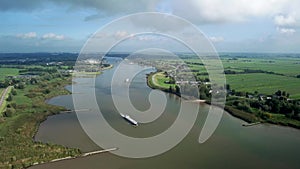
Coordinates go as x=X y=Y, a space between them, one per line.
x=216 y=39
x=29 y=35
x=229 y=10
x=121 y=34
x=197 y=11
x=53 y=36
x=287 y=31
x=282 y=20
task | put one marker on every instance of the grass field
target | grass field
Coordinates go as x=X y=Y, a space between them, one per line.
x=265 y=83
x=261 y=82
x=18 y=149
x=160 y=79
x=286 y=66
x=285 y=70
x=8 y=72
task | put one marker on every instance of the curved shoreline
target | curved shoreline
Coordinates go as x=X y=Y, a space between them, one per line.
x=65 y=110
x=233 y=112
x=246 y=117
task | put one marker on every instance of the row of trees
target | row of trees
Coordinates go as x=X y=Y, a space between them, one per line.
x=277 y=104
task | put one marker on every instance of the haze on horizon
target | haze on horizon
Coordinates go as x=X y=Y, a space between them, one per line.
x=232 y=26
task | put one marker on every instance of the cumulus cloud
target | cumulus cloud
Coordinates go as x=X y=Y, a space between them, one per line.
x=29 y=35
x=287 y=31
x=229 y=10
x=106 y=6
x=216 y=39
x=121 y=34
x=286 y=24
x=53 y=36
x=194 y=10
x=282 y=20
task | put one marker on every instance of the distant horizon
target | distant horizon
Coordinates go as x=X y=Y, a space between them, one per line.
x=132 y=52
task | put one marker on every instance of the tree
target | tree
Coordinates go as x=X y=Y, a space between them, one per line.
x=283 y=93
x=46 y=91
x=9 y=98
x=13 y=92
x=9 y=112
x=177 y=89
x=20 y=86
x=170 y=89
x=278 y=93
x=227 y=87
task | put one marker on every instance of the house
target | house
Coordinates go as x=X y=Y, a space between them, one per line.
x=250 y=96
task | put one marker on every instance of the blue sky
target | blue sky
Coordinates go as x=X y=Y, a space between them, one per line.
x=231 y=25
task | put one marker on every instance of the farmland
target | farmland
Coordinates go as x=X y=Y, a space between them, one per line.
x=258 y=89
x=8 y=72
x=282 y=65
x=276 y=74
x=281 y=75
x=263 y=83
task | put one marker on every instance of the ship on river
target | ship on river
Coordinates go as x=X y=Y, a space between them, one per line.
x=129 y=119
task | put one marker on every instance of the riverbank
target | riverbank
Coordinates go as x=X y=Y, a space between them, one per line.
x=155 y=85
x=281 y=141
x=245 y=116
x=29 y=109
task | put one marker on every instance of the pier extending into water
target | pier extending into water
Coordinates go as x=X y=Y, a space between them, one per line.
x=250 y=124
x=71 y=111
x=99 y=151
x=82 y=155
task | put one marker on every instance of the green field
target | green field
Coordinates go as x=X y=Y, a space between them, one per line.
x=265 y=83
x=22 y=116
x=272 y=73
x=159 y=79
x=286 y=66
x=8 y=72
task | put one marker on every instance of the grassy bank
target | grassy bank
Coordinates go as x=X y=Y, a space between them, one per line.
x=18 y=127
x=250 y=118
x=156 y=80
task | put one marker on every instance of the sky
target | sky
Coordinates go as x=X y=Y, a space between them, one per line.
x=231 y=25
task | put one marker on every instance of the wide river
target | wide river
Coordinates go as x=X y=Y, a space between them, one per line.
x=231 y=146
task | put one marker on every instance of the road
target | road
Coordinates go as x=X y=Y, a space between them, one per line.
x=154 y=80
x=3 y=95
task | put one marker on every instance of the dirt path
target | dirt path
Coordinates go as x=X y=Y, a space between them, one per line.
x=3 y=95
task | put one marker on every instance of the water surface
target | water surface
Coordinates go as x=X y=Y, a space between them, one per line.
x=232 y=145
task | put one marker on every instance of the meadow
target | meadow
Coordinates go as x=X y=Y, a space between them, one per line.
x=279 y=73
x=264 y=83
x=4 y=72
x=19 y=122
x=282 y=65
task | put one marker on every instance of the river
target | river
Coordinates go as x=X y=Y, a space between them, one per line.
x=231 y=146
